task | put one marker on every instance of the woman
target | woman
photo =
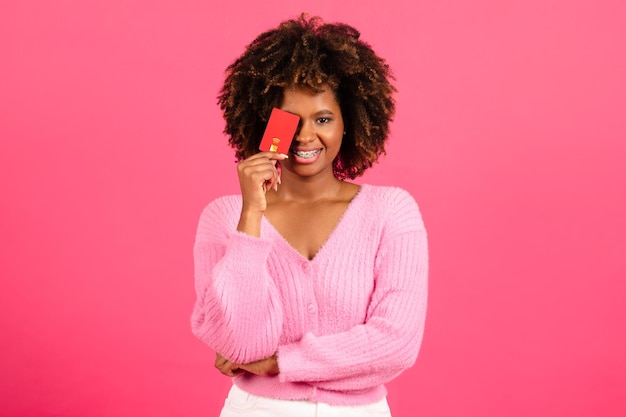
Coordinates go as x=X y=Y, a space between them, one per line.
x=310 y=288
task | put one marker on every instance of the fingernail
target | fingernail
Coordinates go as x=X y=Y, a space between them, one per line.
x=276 y=187
x=284 y=155
x=279 y=180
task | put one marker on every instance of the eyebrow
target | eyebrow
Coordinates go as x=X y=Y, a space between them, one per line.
x=323 y=112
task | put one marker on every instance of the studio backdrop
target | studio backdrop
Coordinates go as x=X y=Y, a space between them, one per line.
x=510 y=134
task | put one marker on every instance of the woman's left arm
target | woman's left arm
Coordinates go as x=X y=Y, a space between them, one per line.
x=388 y=342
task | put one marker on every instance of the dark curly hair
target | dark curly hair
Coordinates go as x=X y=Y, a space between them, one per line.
x=306 y=52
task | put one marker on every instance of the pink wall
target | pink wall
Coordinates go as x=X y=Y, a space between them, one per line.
x=510 y=133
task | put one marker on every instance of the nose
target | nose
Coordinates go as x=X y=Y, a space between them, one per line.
x=305 y=134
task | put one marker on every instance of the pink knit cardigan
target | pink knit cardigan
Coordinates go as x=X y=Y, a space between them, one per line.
x=342 y=324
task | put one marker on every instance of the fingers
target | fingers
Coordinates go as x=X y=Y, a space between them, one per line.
x=275 y=181
x=227 y=367
x=257 y=174
x=269 y=155
x=263 y=367
x=219 y=360
x=261 y=172
x=264 y=174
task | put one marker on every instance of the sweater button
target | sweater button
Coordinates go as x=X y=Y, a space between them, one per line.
x=311 y=308
x=306 y=267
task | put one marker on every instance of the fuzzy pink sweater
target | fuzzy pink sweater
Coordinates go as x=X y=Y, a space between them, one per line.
x=342 y=324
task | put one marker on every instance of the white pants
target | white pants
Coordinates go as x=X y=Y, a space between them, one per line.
x=241 y=404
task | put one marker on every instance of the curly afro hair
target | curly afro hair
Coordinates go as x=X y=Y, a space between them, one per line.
x=306 y=52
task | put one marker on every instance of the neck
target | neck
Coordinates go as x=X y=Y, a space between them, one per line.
x=308 y=189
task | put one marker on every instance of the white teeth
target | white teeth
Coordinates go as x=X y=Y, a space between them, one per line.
x=307 y=154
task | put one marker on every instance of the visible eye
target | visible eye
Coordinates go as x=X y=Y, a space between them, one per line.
x=323 y=120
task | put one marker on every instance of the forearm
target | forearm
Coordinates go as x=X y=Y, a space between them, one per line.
x=238 y=312
x=365 y=356
x=387 y=342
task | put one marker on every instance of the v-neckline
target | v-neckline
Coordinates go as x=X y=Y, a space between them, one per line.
x=330 y=236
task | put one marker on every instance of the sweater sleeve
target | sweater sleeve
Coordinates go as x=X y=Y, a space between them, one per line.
x=388 y=341
x=237 y=311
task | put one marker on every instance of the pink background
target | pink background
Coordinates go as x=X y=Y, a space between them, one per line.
x=510 y=133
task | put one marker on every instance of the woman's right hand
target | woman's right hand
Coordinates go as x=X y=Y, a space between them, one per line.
x=257 y=174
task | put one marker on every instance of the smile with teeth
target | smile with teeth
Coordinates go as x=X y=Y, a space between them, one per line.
x=306 y=154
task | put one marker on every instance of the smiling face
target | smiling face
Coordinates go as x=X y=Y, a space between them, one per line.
x=320 y=132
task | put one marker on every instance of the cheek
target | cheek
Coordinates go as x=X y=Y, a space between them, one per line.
x=334 y=141
x=340 y=137
x=336 y=136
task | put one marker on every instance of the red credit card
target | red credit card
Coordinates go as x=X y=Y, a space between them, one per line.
x=279 y=132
